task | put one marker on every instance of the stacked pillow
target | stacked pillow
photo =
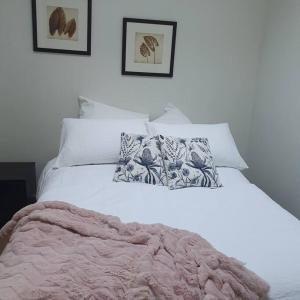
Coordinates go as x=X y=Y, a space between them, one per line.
x=140 y=160
x=95 y=137
x=170 y=151
x=92 y=141
x=189 y=163
x=172 y=115
x=176 y=162
x=90 y=109
x=221 y=141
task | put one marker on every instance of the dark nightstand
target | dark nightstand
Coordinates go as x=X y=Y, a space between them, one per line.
x=17 y=188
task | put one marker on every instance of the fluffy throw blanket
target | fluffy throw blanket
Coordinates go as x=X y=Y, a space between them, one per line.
x=58 y=251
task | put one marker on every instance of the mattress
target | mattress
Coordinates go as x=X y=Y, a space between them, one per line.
x=239 y=219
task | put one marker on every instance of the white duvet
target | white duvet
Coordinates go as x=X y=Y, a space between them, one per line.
x=238 y=219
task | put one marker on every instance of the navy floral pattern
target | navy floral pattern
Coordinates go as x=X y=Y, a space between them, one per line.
x=189 y=163
x=140 y=160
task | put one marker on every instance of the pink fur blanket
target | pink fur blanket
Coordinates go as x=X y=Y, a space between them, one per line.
x=58 y=251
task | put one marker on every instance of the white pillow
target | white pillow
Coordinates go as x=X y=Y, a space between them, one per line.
x=94 y=141
x=89 y=109
x=173 y=115
x=221 y=141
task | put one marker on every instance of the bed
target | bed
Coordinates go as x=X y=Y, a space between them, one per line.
x=238 y=219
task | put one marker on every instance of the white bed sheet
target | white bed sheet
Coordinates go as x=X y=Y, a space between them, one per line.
x=238 y=219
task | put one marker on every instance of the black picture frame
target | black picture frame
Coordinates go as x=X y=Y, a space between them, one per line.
x=124 y=46
x=36 y=48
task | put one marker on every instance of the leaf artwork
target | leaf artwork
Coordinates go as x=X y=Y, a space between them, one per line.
x=61 y=21
x=145 y=51
x=70 y=28
x=58 y=22
x=152 y=43
x=149 y=45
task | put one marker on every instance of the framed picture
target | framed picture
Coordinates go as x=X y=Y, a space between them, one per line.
x=148 y=47
x=62 y=26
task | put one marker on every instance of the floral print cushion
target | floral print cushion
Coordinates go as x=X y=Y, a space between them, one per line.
x=189 y=163
x=140 y=160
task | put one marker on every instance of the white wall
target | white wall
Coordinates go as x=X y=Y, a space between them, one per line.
x=274 y=150
x=216 y=62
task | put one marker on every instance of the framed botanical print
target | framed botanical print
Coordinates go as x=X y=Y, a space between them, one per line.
x=148 y=47
x=62 y=26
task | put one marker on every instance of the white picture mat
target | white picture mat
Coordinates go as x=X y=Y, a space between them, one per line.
x=42 y=25
x=166 y=30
